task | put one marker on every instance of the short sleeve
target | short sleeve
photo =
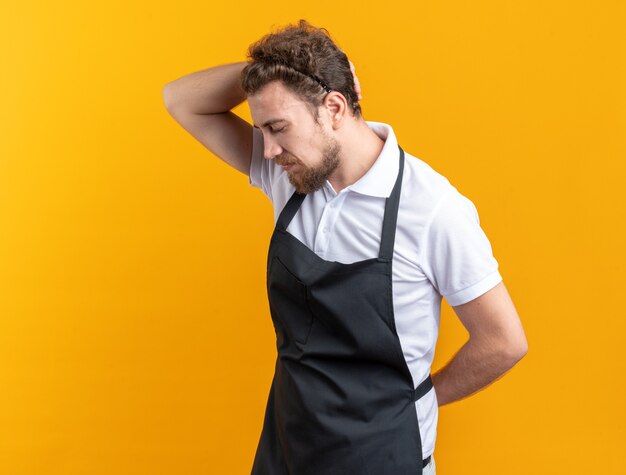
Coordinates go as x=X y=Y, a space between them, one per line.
x=264 y=174
x=457 y=256
x=258 y=176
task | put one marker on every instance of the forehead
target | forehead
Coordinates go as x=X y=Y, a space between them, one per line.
x=275 y=101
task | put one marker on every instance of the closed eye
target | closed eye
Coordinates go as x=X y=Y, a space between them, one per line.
x=277 y=130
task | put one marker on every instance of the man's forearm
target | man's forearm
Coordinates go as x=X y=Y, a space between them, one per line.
x=210 y=91
x=475 y=366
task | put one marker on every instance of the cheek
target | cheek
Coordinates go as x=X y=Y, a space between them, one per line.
x=294 y=147
x=303 y=147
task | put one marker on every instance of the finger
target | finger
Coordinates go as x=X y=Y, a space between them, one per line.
x=357 y=87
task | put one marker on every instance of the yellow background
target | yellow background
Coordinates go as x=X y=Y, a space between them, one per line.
x=135 y=335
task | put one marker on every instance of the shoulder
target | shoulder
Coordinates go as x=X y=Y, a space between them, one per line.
x=424 y=189
x=433 y=212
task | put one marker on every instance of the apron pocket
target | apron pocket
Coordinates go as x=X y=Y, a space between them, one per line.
x=288 y=302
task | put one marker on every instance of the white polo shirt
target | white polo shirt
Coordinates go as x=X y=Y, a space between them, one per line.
x=440 y=248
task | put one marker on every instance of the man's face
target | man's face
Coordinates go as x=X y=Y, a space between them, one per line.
x=293 y=138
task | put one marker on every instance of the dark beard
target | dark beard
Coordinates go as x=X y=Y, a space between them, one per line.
x=312 y=179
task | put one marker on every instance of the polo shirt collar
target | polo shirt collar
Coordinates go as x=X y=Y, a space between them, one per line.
x=380 y=179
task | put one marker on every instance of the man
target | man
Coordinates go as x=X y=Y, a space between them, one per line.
x=367 y=240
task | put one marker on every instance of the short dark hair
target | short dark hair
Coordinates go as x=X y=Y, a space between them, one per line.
x=296 y=55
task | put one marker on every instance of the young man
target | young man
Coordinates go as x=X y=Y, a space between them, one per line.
x=368 y=239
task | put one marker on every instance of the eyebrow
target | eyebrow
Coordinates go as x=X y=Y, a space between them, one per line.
x=270 y=122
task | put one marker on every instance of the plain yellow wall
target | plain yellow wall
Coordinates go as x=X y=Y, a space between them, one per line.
x=135 y=335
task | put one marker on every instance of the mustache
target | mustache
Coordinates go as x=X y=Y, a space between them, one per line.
x=281 y=162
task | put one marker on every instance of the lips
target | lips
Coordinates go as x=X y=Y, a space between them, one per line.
x=286 y=165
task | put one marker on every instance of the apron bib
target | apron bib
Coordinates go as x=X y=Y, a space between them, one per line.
x=342 y=400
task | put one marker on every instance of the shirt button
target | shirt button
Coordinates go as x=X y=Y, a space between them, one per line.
x=333 y=205
x=325 y=230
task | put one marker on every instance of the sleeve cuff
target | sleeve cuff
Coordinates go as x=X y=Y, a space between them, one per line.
x=255 y=175
x=475 y=290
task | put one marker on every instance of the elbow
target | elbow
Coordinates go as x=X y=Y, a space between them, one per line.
x=167 y=95
x=515 y=349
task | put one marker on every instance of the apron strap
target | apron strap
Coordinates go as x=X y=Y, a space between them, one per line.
x=290 y=210
x=423 y=388
x=391 y=216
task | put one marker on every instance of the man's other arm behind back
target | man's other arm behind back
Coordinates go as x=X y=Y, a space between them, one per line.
x=201 y=103
x=497 y=342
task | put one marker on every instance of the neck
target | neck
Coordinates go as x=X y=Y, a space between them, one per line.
x=360 y=147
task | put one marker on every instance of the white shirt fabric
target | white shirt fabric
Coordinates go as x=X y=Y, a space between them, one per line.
x=440 y=248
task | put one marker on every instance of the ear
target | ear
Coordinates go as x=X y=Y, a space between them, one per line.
x=336 y=107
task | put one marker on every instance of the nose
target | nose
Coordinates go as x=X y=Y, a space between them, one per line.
x=271 y=149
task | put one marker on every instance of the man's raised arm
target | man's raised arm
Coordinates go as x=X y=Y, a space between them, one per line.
x=201 y=103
